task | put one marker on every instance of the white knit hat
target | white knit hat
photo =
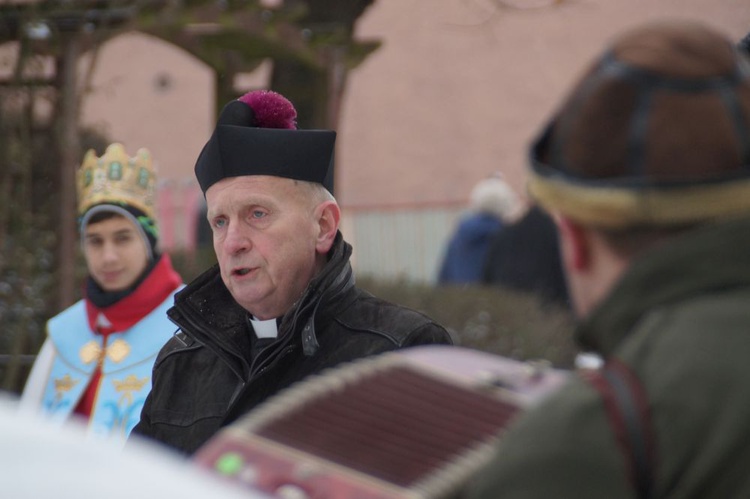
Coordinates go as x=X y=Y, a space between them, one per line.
x=493 y=195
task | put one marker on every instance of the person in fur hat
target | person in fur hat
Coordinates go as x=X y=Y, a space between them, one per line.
x=646 y=171
x=96 y=361
x=281 y=303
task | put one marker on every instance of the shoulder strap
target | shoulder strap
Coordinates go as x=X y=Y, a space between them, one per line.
x=626 y=404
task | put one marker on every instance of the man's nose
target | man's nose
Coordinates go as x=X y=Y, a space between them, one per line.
x=237 y=240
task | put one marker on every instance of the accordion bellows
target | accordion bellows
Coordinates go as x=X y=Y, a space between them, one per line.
x=414 y=423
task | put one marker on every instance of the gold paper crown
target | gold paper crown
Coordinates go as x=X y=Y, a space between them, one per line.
x=117 y=178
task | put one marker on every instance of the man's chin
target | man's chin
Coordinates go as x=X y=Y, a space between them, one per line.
x=258 y=307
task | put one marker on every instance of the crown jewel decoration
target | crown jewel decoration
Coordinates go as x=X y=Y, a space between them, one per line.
x=116 y=178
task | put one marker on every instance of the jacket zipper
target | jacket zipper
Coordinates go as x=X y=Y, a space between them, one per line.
x=255 y=373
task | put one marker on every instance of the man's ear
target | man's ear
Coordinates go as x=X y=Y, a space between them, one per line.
x=574 y=244
x=328 y=216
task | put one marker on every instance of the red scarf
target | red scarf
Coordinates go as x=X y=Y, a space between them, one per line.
x=149 y=294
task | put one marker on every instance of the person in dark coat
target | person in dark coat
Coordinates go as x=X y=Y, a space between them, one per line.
x=492 y=203
x=281 y=303
x=526 y=256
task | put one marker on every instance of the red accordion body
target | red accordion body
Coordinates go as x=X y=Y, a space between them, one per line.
x=415 y=423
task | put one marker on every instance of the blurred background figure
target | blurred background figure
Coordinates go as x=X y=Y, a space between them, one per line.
x=96 y=361
x=525 y=256
x=492 y=204
x=744 y=44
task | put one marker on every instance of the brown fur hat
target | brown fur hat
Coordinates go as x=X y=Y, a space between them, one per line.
x=656 y=133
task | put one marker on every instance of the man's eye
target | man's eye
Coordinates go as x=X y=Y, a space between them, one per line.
x=258 y=214
x=219 y=223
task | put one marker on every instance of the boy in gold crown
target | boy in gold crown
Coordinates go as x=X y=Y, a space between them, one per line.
x=97 y=358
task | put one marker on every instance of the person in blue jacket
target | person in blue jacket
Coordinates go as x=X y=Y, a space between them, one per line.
x=492 y=203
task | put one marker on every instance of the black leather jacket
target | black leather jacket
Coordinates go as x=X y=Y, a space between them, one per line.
x=212 y=371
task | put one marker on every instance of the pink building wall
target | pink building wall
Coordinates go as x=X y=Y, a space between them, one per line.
x=460 y=87
x=456 y=92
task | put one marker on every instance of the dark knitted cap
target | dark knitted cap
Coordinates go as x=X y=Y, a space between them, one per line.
x=656 y=133
x=257 y=135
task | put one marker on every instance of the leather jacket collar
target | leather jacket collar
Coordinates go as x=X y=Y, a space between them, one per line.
x=323 y=295
x=206 y=311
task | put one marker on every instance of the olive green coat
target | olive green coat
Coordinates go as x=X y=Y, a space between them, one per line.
x=680 y=319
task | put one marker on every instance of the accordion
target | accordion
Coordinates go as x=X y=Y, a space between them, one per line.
x=415 y=423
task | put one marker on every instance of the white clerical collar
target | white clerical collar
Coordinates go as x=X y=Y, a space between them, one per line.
x=265 y=329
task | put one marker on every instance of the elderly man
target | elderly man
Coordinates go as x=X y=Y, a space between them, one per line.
x=281 y=303
x=646 y=169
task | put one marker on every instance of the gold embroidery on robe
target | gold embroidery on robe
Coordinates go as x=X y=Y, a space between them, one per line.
x=62 y=385
x=117 y=351
x=90 y=352
x=129 y=385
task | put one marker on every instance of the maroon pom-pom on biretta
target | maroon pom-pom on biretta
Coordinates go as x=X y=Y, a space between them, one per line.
x=272 y=110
